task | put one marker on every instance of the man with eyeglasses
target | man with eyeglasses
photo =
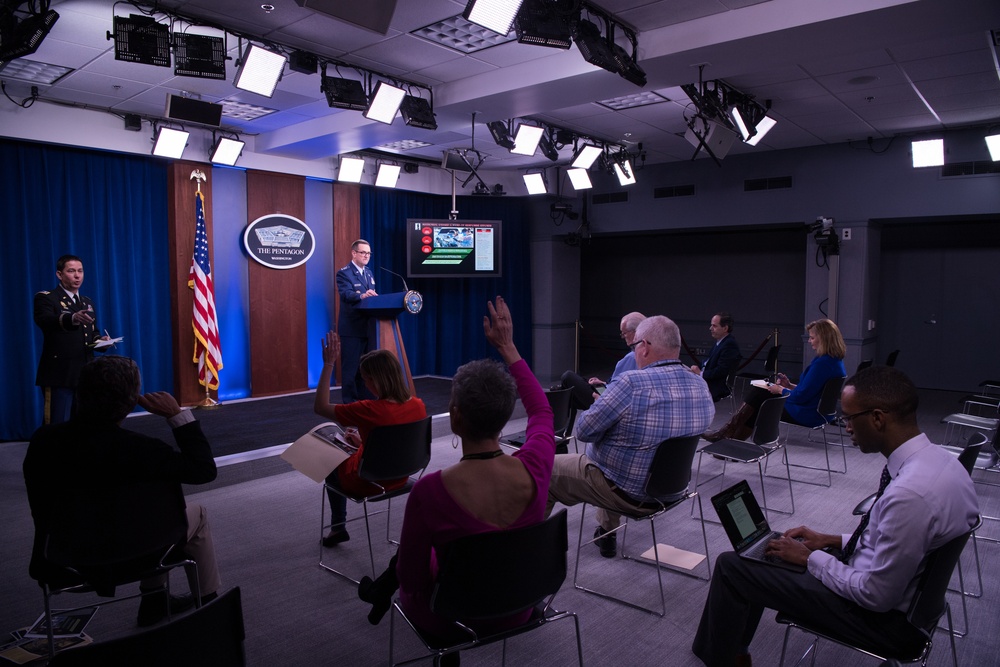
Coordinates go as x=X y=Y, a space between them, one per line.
x=858 y=586
x=659 y=400
x=585 y=390
x=355 y=282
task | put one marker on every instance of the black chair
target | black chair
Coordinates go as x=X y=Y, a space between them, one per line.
x=391 y=452
x=211 y=636
x=103 y=538
x=770 y=366
x=827 y=410
x=891 y=359
x=926 y=609
x=763 y=442
x=865 y=363
x=492 y=576
x=669 y=476
x=563 y=419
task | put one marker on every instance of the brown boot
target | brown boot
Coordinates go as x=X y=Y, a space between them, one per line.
x=736 y=427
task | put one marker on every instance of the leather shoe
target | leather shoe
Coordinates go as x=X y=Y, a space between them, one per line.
x=336 y=537
x=154 y=606
x=606 y=542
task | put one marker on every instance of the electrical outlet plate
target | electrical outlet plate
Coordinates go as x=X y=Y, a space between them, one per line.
x=845 y=234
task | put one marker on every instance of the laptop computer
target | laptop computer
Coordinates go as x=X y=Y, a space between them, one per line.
x=747 y=526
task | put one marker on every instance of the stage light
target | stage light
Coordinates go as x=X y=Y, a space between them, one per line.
x=764 y=126
x=417 y=112
x=585 y=157
x=23 y=38
x=227 y=151
x=140 y=39
x=259 y=70
x=624 y=172
x=993 y=144
x=593 y=47
x=344 y=93
x=535 y=183
x=929 y=153
x=200 y=56
x=501 y=134
x=351 y=169
x=579 y=178
x=547 y=147
x=745 y=127
x=385 y=102
x=387 y=175
x=495 y=15
x=542 y=23
x=170 y=143
x=527 y=138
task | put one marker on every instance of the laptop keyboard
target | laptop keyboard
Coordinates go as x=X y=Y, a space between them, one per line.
x=757 y=552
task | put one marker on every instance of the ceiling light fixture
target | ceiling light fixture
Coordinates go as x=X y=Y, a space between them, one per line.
x=385 y=101
x=227 y=151
x=535 y=184
x=343 y=93
x=387 y=175
x=579 y=178
x=545 y=23
x=140 y=39
x=200 y=56
x=527 y=138
x=417 y=112
x=585 y=157
x=351 y=169
x=23 y=38
x=993 y=144
x=259 y=70
x=928 y=153
x=500 y=130
x=624 y=172
x=763 y=126
x=495 y=15
x=170 y=143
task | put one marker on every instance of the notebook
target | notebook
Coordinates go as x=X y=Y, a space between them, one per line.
x=747 y=526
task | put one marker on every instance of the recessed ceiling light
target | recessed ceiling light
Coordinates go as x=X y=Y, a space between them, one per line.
x=632 y=101
x=34 y=72
x=461 y=35
x=244 y=111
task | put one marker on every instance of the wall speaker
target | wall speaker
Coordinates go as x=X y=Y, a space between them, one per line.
x=193 y=111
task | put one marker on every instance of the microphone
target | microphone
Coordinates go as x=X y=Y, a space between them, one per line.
x=382 y=268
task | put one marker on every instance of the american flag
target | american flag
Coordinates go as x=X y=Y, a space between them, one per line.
x=207 y=353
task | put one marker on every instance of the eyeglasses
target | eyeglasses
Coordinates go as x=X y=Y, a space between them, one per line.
x=636 y=344
x=366 y=253
x=850 y=418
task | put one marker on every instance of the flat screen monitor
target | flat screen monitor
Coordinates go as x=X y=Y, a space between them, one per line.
x=453 y=248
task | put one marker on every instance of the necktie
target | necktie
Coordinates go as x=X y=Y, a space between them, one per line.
x=76 y=299
x=852 y=543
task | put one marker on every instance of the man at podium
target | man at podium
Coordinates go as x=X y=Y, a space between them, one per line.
x=356 y=329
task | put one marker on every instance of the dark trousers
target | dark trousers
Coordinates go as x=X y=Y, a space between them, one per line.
x=352 y=387
x=59 y=404
x=741 y=590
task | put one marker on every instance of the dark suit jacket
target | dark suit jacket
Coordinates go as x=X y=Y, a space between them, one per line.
x=351 y=284
x=65 y=345
x=722 y=360
x=74 y=460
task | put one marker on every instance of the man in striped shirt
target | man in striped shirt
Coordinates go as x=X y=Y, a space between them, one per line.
x=658 y=401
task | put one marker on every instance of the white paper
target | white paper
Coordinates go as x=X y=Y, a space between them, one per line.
x=673 y=556
x=314 y=455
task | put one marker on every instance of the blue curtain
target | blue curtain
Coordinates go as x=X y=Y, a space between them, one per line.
x=111 y=211
x=449 y=331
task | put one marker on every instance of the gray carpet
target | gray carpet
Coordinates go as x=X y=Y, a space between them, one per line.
x=267 y=533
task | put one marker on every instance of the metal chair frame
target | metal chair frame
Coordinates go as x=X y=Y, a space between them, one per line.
x=827 y=410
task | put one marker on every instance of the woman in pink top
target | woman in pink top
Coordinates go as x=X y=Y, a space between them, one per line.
x=485 y=491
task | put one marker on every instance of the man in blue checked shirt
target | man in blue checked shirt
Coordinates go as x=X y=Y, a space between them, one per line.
x=662 y=399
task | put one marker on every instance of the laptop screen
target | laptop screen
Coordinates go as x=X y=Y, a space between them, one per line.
x=740 y=515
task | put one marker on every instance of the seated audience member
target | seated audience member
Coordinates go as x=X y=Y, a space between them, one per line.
x=91 y=453
x=660 y=400
x=803 y=398
x=723 y=359
x=925 y=500
x=584 y=391
x=487 y=490
x=383 y=377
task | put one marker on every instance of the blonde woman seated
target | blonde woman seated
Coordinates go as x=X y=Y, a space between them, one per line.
x=803 y=398
x=486 y=491
x=383 y=377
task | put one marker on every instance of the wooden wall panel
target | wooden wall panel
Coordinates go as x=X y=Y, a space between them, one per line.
x=346 y=230
x=180 y=235
x=278 y=353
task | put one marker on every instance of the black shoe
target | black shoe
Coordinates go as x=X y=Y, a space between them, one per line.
x=369 y=591
x=153 y=607
x=336 y=537
x=606 y=542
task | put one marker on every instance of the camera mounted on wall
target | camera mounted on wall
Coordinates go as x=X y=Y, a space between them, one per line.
x=826 y=237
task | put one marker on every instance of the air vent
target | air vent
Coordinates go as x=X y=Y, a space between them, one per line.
x=778 y=183
x=610 y=198
x=673 y=191
x=970 y=168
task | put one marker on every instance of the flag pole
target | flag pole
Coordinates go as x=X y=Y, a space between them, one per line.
x=204 y=372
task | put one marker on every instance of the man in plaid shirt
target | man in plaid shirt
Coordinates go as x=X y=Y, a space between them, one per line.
x=659 y=401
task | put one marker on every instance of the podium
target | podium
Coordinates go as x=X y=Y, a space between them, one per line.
x=385 y=308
